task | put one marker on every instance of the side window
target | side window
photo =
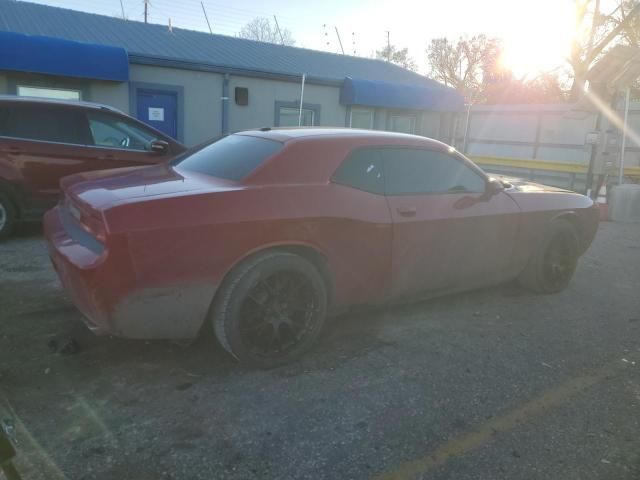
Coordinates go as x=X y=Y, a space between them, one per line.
x=44 y=124
x=362 y=170
x=111 y=131
x=412 y=171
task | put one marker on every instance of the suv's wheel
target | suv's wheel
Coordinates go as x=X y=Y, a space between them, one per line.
x=270 y=309
x=7 y=216
x=552 y=265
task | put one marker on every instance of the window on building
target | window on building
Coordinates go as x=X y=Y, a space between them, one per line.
x=362 y=170
x=61 y=125
x=413 y=171
x=111 y=131
x=402 y=123
x=361 y=118
x=59 y=93
x=288 y=117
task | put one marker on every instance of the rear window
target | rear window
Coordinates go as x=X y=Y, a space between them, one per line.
x=232 y=158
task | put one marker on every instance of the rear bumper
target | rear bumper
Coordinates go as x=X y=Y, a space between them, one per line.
x=77 y=276
x=107 y=290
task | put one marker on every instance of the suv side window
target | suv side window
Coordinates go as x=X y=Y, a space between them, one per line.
x=419 y=171
x=362 y=170
x=111 y=131
x=60 y=125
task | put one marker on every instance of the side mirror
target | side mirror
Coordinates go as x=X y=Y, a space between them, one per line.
x=159 y=147
x=494 y=187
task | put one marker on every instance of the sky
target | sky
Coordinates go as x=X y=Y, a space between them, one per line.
x=536 y=33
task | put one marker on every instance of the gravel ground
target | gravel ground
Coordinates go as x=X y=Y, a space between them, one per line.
x=487 y=385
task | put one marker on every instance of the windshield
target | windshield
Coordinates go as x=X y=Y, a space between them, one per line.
x=232 y=158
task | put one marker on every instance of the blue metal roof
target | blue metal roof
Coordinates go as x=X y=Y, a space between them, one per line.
x=149 y=43
x=392 y=95
x=36 y=54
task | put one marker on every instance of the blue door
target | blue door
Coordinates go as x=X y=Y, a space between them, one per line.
x=158 y=109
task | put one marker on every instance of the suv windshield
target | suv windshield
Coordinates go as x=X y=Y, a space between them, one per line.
x=232 y=158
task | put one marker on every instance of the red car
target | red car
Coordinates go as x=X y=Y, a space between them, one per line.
x=43 y=140
x=262 y=234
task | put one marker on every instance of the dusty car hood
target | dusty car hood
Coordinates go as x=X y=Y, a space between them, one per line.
x=102 y=189
x=521 y=185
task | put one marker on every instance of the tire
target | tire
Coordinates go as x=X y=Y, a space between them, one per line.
x=270 y=309
x=8 y=216
x=552 y=265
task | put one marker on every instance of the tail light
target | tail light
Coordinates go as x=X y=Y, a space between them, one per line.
x=92 y=224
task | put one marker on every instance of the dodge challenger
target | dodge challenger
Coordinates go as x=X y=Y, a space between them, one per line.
x=262 y=234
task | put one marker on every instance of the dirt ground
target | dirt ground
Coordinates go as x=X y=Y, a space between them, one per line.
x=493 y=384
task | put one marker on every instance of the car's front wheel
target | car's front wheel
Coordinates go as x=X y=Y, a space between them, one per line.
x=7 y=215
x=552 y=265
x=270 y=309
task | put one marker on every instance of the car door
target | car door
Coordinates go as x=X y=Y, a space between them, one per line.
x=43 y=143
x=363 y=229
x=122 y=141
x=449 y=231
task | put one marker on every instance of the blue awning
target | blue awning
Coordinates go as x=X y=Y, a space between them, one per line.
x=54 y=56
x=394 y=95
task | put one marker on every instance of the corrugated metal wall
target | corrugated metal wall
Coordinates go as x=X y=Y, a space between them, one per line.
x=546 y=143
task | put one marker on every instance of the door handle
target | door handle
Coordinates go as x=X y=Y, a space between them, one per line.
x=106 y=157
x=407 y=211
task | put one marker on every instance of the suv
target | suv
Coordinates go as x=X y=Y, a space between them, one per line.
x=43 y=140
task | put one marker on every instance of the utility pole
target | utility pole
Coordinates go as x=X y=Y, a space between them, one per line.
x=388 y=46
x=279 y=32
x=206 y=17
x=146 y=10
x=339 y=41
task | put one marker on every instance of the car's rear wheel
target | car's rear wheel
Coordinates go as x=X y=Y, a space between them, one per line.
x=7 y=216
x=270 y=309
x=552 y=265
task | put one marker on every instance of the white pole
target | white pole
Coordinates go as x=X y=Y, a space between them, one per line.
x=304 y=76
x=466 y=129
x=624 y=136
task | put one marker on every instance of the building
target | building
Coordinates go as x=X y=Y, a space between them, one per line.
x=194 y=85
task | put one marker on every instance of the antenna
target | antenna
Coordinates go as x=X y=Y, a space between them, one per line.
x=146 y=10
x=278 y=28
x=170 y=27
x=206 y=17
x=353 y=41
x=124 y=17
x=339 y=41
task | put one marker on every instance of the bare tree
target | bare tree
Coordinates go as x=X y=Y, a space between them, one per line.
x=263 y=30
x=600 y=31
x=473 y=67
x=397 y=56
x=466 y=64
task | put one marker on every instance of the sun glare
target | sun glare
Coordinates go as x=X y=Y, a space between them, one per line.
x=541 y=41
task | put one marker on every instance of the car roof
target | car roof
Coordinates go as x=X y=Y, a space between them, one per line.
x=55 y=101
x=285 y=134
